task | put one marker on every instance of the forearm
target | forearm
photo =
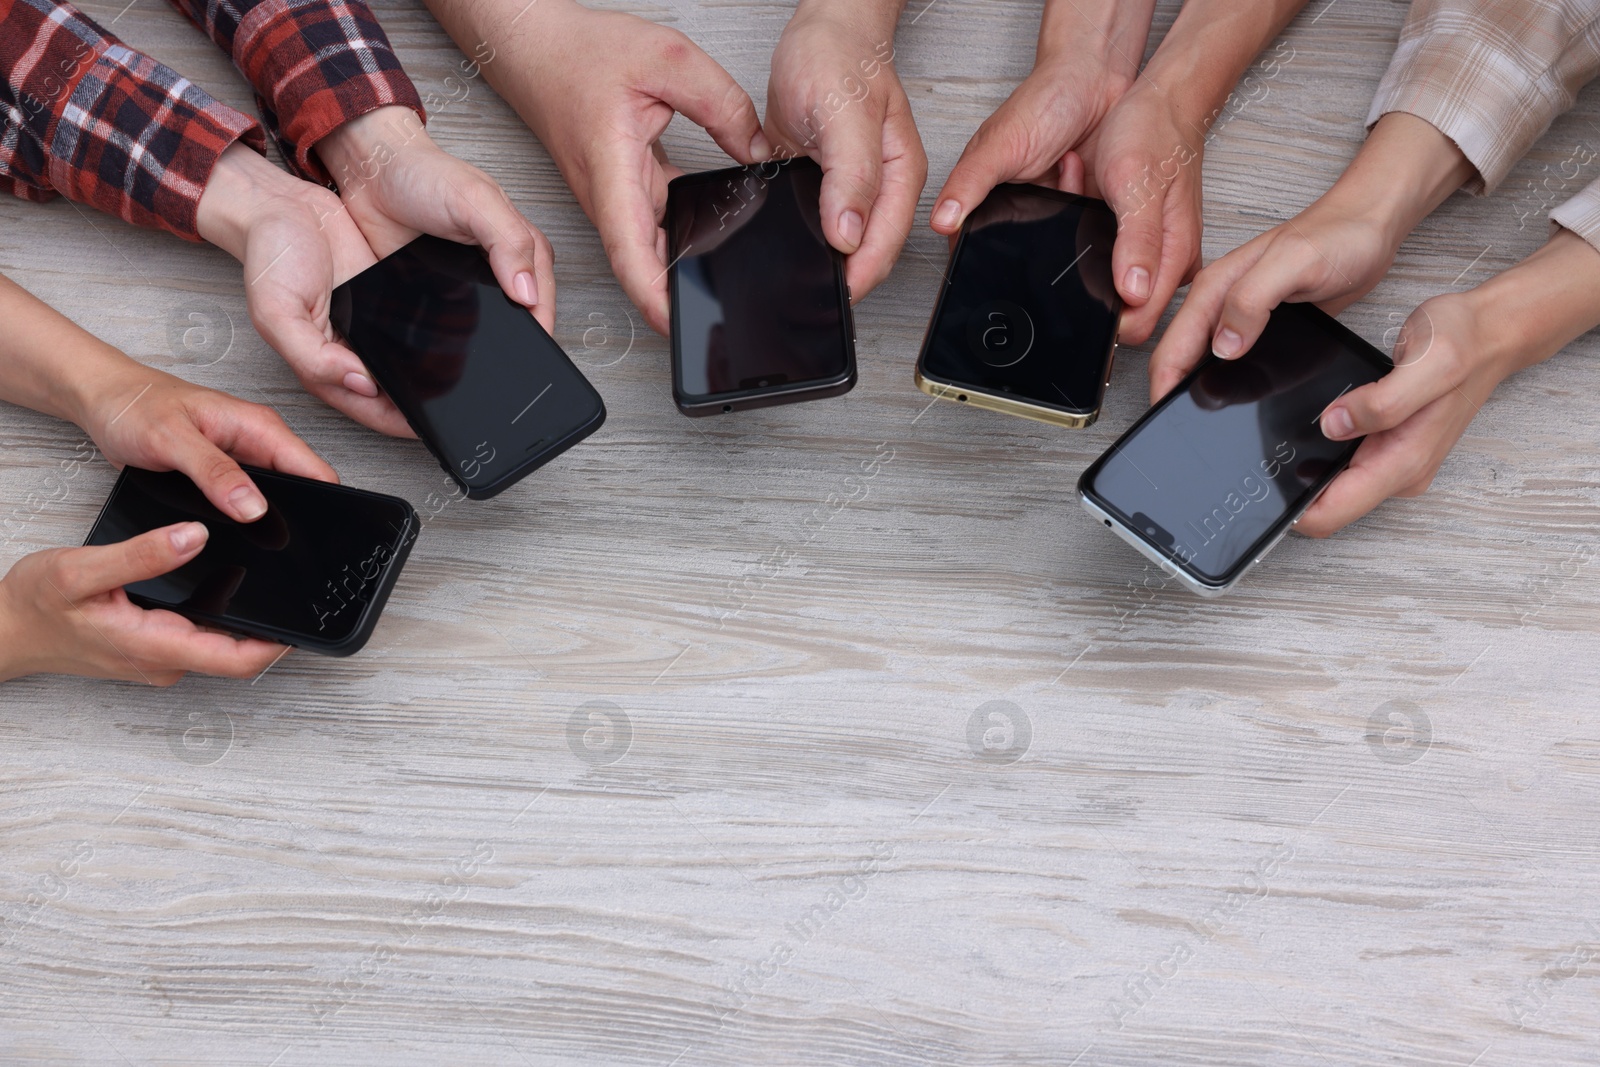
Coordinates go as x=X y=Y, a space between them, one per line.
x=49 y=363
x=235 y=190
x=1210 y=46
x=1404 y=170
x=1108 y=33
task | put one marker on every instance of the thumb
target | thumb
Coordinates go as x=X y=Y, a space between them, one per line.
x=991 y=157
x=707 y=96
x=1137 y=253
x=850 y=151
x=99 y=569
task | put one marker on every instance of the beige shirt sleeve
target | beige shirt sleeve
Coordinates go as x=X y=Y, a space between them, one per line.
x=1491 y=74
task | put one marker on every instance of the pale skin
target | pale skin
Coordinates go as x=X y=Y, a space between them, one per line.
x=297 y=241
x=64 y=610
x=1087 y=120
x=1453 y=349
x=598 y=88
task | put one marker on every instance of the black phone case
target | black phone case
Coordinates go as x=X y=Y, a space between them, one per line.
x=938 y=306
x=528 y=465
x=381 y=588
x=746 y=399
x=1354 y=341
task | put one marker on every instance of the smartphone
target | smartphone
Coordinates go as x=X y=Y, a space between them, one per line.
x=1026 y=321
x=1214 y=475
x=314 y=571
x=760 y=310
x=489 y=392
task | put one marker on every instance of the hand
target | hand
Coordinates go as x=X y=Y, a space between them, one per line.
x=140 y=416
x=63 y=611
x=834 y=95
x=1144 y=159
x=397 y=183
x=296 y=242
x=1326 y=255
x=599 y=88
x=1453 y=351
x=1083 y=67
x=1331 y=254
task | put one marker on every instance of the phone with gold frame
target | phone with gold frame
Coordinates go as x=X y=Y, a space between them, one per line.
x=1026 y=320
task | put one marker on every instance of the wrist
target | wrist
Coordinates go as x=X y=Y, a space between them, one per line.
x=357 y=150
x=239 y=183
x=1105 y=38
x=874 y=19
x=1404 y=170
x=1529 y=313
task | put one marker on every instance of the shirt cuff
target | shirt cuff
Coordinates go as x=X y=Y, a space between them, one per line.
x=1581 y=215
x=1492 y=101
x=139 y=141
x=317 y=66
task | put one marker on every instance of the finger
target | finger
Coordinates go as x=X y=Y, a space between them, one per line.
x=1290 y=270
x=905 y=172
x=521 y=258
x=1141 y=218
x=168 y=642
x=1069 y=174
x=95 y=569
x=256 y=434
x=1392 y=399
x=329 y=371
x=1180 y=257
x=696 y=86
x=222 y=480
x=850 y=151
x=1358 y=489
x=998 y=152
x=627 y=219
x=1187 y=339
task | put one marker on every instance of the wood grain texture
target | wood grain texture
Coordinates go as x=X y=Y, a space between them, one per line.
x=1204 y=853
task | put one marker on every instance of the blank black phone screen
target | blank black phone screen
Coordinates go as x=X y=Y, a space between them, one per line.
x=1220 y=463
x=758 y=294
x=1029 y=308
x=476 y=376
x=308 y=567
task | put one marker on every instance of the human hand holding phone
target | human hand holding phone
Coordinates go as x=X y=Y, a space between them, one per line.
x=834 y=95
x=1453 y=351
x=1088 y=57
x=64 y=611
x=296 y=243
x=1331 y=254
x=397 y=184
x=598 y=88
x=142 y=416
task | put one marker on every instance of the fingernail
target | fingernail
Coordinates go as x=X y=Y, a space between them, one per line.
x=247 y=503
x=360 y=383
x=1137 y=282
x=947 y=214
x=1337 y=424
x=527 y=288
x=187 y=536
x=760 y=147
x=850 y=228
x=1227 y=343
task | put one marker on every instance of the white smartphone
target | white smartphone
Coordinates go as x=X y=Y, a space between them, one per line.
x=1218 y=471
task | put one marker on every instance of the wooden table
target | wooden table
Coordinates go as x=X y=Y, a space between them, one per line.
x=675 y=755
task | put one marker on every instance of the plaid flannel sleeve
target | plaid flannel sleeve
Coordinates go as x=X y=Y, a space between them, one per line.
x=91 y=119
x=315 y=65
x=1491 y=74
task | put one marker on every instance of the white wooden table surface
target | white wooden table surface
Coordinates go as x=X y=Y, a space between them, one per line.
x=957 y=784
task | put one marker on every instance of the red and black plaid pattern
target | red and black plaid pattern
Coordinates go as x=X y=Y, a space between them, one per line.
x=89 y=118
x=315 y=65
